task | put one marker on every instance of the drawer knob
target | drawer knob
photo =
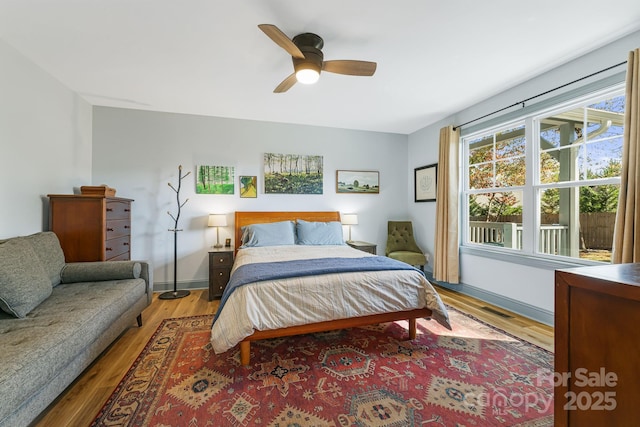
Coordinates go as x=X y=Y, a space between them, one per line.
x=109 y=210
x=126 y=243
x=221 y=260
x=108 y=249
x=221 y=273
x=109 y=229
x=127 y=210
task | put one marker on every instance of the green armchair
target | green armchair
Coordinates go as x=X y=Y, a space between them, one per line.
x=402 y=246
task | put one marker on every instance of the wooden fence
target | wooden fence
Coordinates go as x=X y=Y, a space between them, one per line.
x=596 y=229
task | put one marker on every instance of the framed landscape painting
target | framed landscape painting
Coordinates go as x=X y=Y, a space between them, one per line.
x=215 y=180
x=362 y=182
x=425 y=183
x=293 y=174
x=248 y=186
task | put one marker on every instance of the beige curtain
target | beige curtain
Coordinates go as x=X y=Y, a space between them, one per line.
x=446 y=260
x=626 y=248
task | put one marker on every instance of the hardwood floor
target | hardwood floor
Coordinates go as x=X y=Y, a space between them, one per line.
x=515 y=324
x=80 y=403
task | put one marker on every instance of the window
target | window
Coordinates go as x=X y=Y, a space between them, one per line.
x=547 y=184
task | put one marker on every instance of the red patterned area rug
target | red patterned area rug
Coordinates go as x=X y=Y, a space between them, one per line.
x=474 y=375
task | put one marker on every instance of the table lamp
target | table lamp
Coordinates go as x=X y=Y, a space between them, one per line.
x=217 y=221
x=349 y=219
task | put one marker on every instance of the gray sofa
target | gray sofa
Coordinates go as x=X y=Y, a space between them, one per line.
x=57 y=317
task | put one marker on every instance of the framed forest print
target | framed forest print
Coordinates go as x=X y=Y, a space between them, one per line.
x=215 y=180
x=293 y=174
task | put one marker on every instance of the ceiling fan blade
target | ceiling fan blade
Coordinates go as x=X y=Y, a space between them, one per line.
x=286 y=84
x=281 y=40
x=349 y=67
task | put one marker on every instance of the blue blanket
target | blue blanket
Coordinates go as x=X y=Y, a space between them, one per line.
x=258 y=272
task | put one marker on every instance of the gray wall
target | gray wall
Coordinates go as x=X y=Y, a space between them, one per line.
x=45 y=141
x=523 y=288
x=138 y=153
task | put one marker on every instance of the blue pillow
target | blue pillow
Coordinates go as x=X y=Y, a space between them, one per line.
x=319 y=233
x=269 y=234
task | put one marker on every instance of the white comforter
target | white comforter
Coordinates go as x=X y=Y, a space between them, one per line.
x=296 y=301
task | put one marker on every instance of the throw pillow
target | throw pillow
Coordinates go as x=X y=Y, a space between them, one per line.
x=269 y=234
x=23 y=282
x=47 y=247
x=319 y=233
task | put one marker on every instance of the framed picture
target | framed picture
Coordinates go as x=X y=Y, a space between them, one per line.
x=215 y=180
x=362 y=182
x=425 y=183
x=227 y=243
x=293 y=174
x=248 y=186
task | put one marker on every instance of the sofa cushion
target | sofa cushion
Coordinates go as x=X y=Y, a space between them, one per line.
x=23 y=281
x=99 y=271
x=36 y=349
x=47 y=247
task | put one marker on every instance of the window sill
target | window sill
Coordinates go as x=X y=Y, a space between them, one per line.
x=536 y=261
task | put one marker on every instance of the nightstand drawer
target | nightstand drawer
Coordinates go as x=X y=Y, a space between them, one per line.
x=220 y=278
x=222 y=259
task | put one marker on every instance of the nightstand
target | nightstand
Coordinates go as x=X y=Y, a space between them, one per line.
x=363 y=246
x=220 y=263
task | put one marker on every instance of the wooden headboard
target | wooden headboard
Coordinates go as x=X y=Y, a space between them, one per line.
x=247 y=218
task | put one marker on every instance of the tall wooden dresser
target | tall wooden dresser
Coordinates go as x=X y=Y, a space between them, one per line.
x=91 y=227
x=597 y=345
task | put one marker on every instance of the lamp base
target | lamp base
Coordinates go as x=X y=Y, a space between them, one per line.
x=173 y=294
x=217 y=246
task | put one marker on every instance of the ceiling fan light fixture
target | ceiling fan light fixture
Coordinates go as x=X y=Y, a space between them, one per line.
x=307 y=76
x=308 y=60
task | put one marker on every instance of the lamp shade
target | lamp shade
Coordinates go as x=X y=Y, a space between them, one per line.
x=217 y=220
x=349 y=219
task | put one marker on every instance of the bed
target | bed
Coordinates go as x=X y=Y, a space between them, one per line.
x=312 y=299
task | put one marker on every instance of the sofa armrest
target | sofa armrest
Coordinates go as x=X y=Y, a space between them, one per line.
x=146 y=273
x=98 y=271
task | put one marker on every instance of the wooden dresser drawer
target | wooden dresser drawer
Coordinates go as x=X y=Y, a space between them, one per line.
x=115 y=247
x=118 y=210
x=122 y=257
x=118 y=228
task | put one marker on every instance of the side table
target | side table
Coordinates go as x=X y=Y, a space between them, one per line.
x=220 y=263
x=363 y=246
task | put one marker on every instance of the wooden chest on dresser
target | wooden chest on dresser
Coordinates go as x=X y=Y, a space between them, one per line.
x=91 y=227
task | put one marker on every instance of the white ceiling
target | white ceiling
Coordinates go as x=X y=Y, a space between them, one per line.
x=208 y=57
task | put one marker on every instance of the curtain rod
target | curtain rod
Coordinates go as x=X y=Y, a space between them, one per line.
x=540 y=94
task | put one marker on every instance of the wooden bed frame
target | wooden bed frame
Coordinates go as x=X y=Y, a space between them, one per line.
x=247 y=218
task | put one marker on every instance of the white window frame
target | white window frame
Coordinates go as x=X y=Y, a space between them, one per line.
x=529 y=254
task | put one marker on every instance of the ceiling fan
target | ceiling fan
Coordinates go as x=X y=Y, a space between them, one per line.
x=306 y=53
